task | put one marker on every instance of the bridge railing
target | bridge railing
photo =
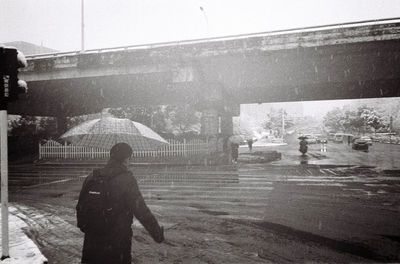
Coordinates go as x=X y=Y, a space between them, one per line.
x=222 y=38
x=54 y=150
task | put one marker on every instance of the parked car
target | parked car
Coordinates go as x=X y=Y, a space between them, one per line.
x=359 y=144
x=368 y=139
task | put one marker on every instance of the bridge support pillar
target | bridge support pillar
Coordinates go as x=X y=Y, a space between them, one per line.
x=217 y=126
x=61 y=122
x=218 y=107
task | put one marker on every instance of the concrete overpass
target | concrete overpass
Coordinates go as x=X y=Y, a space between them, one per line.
x=347 y=61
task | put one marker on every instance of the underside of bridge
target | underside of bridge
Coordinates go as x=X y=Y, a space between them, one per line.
x=218 y=75
x=363 y=70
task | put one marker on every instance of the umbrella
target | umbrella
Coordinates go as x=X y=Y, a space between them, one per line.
x=302 y=137
x=107 y=131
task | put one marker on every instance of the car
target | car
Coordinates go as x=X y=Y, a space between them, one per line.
x=359 y=144
x=368 y=139
x=323 y=140
x=311 y=140
x=318 y=137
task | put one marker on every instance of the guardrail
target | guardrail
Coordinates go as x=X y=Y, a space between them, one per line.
x=202 y=40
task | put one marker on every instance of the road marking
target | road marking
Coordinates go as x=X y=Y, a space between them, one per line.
x=47 y=183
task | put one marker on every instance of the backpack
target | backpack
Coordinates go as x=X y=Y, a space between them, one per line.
x=94 y=211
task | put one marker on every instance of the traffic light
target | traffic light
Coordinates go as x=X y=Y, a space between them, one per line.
x=10 y=87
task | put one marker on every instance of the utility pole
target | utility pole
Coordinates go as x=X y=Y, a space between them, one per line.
x=10 y=87
x=206 y=19
x=283 y=122
x=390 y=129
x=4 y=183
x=82 y=25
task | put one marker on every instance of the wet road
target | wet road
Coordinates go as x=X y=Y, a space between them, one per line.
x=384 y=156
x=253 y=213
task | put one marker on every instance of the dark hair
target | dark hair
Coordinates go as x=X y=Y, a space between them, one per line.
x=120 y=151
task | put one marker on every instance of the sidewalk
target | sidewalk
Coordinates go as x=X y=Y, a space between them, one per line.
x=258 y=155
x=22 y=250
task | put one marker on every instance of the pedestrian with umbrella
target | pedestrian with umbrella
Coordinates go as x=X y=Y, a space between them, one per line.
x=110 y=197
x=303 y=145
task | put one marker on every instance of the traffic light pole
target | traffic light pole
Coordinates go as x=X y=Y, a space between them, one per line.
x=4 y=183
x=10 y=86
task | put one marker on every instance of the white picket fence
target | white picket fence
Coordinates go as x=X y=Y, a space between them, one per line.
x=54 y=150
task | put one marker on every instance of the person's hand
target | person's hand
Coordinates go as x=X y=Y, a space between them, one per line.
x=160 y=237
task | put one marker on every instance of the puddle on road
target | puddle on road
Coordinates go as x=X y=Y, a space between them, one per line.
x=319 y=179
x=369 y=193
x=211 y=212
x=322 y=184
x=242 y=217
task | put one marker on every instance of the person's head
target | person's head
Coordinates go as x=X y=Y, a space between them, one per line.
x=121 y=152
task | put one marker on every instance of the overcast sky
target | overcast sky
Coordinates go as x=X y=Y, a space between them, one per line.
x=109 y=23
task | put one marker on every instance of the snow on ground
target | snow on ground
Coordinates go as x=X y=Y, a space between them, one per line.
x=264 y=144
x=22 y=249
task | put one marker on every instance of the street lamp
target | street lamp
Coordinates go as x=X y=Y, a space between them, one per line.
x=205 y=17
x=82 y=25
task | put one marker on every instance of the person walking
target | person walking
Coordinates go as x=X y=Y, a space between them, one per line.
x=108 y=201
x=250 y=144
x=234 y=151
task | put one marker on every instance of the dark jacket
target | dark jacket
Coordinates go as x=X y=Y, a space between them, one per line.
x=125 y=195
x=303 y=143
x=235 y=151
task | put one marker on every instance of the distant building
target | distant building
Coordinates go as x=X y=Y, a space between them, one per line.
x=29 y=48
x=258 y=112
